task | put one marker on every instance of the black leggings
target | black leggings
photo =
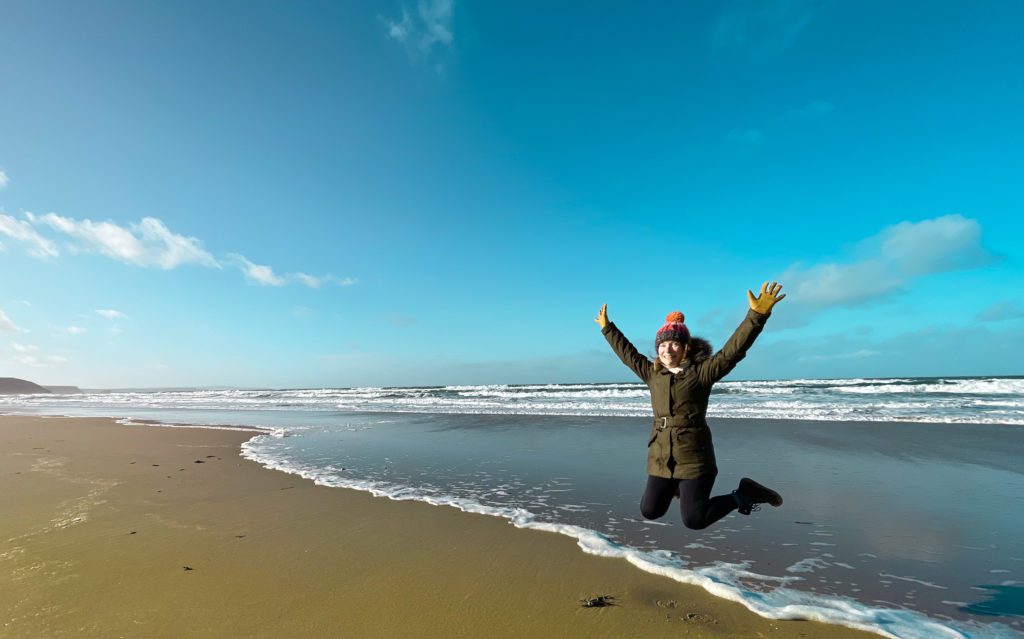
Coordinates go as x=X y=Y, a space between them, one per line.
x=698 y=508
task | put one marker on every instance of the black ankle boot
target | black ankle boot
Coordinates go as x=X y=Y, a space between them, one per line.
x=750 y=494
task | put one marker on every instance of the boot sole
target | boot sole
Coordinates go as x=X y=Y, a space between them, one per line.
x=775 y=499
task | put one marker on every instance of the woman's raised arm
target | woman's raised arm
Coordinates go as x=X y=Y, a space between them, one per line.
x=622 y=346
x=721 y=363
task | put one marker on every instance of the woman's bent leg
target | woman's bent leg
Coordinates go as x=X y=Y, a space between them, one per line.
x=698 y=508
x=657 y=496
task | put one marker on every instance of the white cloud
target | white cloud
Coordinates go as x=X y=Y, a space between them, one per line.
x=257 y=273
x=28 y=354
x=892 y=259
x=842 y=284
x=7 y=325
x=265 y=276
x=947 y=243
x=38 y=246
x=310 y=280
x=146 y=243
x=23 y=348
x=400 y=30
x=437 y=20
x=40 y=362
x=110 y=313
x=428 y=31
x=74 y=330
x=4 y=180
x=316 y=282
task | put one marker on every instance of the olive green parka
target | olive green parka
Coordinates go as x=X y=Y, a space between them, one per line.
x=680 y=445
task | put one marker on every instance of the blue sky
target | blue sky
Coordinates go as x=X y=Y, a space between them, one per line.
x=389 y=193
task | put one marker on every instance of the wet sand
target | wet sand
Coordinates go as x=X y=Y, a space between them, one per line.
x=143 y=531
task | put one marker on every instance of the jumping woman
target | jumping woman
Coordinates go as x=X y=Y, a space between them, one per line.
x=680 y=455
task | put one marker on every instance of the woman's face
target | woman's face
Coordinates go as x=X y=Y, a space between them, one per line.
x=670 y=353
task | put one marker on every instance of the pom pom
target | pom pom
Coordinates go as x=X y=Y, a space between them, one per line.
x=675 y=317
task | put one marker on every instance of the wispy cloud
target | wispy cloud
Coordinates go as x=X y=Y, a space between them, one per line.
x=890 y=261
x=256 y=273
x=426 y=32
x=74 y=330
x=38 y=246
x=110 y=313
x=147 y=243
x=310 y=280
x=28 y=354
x=7 y=325
x=4 y=180
x=265 y=276
x=757 y=28
x=1001 y=311
x=38 y=361
x=401 y=30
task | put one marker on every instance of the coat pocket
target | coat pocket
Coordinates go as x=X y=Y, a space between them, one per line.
x=692 y=443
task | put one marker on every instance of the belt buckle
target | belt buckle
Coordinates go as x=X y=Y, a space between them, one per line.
x=664 y=423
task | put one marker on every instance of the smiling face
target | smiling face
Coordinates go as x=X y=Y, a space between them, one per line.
x=670 y=353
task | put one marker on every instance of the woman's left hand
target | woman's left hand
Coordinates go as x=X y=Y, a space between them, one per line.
x=769 y=296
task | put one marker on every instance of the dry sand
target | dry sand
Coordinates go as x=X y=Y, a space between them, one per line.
x=119 y=531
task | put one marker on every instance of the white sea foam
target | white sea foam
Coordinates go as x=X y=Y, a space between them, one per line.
x=954 y=400
x=765 y=595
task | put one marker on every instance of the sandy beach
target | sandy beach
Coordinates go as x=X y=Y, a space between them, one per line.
x=113 y=530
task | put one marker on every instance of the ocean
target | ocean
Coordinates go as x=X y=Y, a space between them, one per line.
x=903 y=497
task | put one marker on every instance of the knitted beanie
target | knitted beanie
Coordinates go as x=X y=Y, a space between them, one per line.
x=673 y=330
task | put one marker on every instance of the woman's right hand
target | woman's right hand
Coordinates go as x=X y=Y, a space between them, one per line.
x=602 y=317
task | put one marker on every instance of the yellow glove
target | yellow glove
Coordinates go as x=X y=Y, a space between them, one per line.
x=769 y=296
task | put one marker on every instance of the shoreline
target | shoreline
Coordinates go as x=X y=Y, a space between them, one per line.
x=101 y=527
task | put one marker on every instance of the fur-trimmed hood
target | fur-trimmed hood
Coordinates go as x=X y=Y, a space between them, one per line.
x=700 y=349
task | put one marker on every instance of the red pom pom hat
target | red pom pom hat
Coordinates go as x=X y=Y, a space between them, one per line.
x=673 y=330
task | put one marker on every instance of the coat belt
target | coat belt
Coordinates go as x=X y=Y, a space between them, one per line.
x=661 y=423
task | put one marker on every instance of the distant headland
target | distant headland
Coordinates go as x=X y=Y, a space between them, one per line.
x=15 y=386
